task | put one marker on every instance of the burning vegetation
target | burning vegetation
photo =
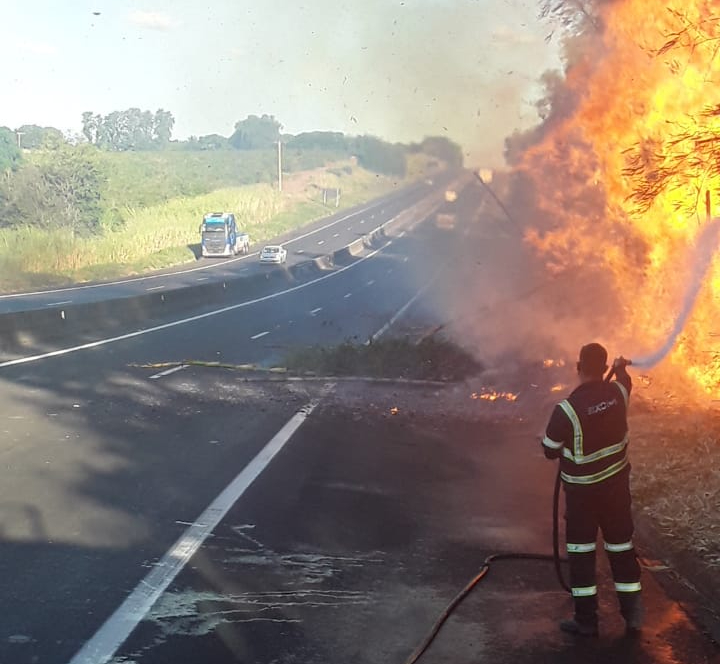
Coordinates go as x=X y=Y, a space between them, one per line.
x=623 y=175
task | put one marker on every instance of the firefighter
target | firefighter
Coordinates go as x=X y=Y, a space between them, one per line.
x=588 y=432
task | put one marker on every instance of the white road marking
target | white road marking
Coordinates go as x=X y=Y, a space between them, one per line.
x=321 y=241
x=116 y=629
x=155 y=288
x=362 y=221
x=167 y=372
x=259 y=336
x=347 y=295
x=191 y=319
x=336 y=235
x=204 y=278
x=405 y=259
x=316 y=311
x=300 y=251
x=57 y=304
x=402 y=310
x=371 y=282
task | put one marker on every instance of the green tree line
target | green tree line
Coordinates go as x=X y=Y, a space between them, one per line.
x=62 y=182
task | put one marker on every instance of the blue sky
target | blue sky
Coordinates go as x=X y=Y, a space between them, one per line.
x=400 y=69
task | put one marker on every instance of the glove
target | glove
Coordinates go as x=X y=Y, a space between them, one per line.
x=620 y=363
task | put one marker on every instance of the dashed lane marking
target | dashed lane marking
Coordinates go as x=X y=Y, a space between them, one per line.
x=316 y=311
x=347 y=295
x=190 y=319
x=401 y=311
x=167 y=372
x=57 y=304
x=155 y=288
x=259 y=335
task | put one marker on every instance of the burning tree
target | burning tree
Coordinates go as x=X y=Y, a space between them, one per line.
x=619 y=167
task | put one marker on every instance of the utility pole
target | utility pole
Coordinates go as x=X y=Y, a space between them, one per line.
x=279 y=165
x=19 y=135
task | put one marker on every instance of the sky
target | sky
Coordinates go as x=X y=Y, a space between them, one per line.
x=398 y=69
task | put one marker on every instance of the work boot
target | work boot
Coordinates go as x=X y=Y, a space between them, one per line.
x=634 y=618
x=577 y=627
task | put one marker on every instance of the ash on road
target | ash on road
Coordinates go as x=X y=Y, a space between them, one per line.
x=381 y=507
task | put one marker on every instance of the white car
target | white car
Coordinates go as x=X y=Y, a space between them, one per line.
x=273 y=253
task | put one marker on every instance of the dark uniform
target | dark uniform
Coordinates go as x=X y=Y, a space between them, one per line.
x=588 y=432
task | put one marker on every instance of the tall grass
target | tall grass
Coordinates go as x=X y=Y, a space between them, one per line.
x=166 y=233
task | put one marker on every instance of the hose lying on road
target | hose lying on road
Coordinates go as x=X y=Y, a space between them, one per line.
x=554 y=557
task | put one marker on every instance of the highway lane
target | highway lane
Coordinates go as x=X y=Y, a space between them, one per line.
x=321 y=237
x=105 y=466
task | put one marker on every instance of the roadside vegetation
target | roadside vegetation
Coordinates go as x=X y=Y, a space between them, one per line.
x=679 y=495
x=123 y=198
x=429 y=359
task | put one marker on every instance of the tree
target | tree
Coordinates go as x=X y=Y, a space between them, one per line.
x=163 y=123
x=573 y=16
x=256 y=133
x=319 y=140
x=10 y=155
x=131 y=129
x=381 y=157
x=71 y=181
x=443 y=148
x=91 y=127
x=32 y=136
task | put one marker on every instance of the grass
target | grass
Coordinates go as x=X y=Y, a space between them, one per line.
x=165 y=234
x=676 y=476
x=431 y=359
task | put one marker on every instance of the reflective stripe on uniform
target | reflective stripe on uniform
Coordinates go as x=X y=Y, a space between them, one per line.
x=586 y=591
x=597 y=477
x=626 y=587
x=623 y=391
x=577 y=428
x=580 y=548
x=596 y=456
x=552 y=444
x=618 y=548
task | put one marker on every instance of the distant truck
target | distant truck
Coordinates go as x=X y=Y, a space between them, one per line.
x=220 y=236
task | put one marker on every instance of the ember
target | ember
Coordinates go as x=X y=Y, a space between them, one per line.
x=494 y=396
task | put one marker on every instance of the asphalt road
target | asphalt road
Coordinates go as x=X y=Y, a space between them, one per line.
x=319 y=238
x=347 y=544
x=105 y=465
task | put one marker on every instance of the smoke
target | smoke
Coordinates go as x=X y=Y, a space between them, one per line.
x=461 y=68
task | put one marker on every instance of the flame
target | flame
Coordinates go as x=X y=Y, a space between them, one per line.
x=623 y=176
x=553 y=363
x=557 y=388
x=494 y=396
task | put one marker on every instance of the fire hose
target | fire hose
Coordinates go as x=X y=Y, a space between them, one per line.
x=485 y=568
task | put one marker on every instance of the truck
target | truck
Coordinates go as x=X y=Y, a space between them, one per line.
x=219 y=235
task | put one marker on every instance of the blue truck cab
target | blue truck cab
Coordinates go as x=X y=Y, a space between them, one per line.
x=220 y=236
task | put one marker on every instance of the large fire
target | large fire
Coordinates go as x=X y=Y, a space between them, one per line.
x=624 y=175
